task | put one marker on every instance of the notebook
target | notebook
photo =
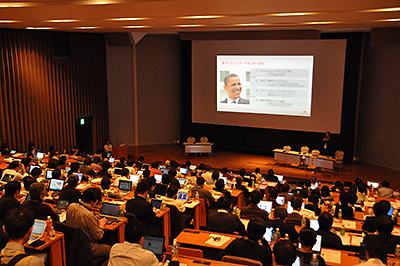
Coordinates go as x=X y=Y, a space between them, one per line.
x=182 y=195
x=38 y=231
x=265 y=205
x=155 y=245
x=110 y=212
x=125 y=185
x=183 y=171
x=6 y=177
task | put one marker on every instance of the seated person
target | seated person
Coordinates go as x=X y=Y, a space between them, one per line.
x=220 y=187
x=12 y=170
x=96 y=164
x=161 y=189
x=375 y=254
x=308 y=238
x=329 y=239
x=11 y=197
x=131 y=252
x=62 y=163
x=41 y=211
x=70 y=192
x=380 y=208
x=271 y=176
x=124 y=175
x=253 y=210
x=170 y=199
x=28 y=181
x=285 y=253
x=325 y=194
x=239 y=186
x=225 y=173
x=154 y=169
x=285 y=192
x=385 y=191
x=250 y=247
x=105 y=184
x=81 y=215
x=213 y=179
x=313 y=201
x=18 y=225
x=384 y=226
x=280 y=222
x=86 y=169
x=203 y=193
x=139 y=162
x=121 y=163
x=104 y=172
x=347 y=210
x=295 y=217
x=74 y=168
x=143 y=209
x=224 y=222
x=56 y=174
x=273 y=194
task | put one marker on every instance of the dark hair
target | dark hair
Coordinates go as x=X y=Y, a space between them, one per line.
x=172 y=191
x=18 y=222
x=325 y=191
x=227 y=77
x=308 y=237
x=130 y=163
x=106 y=165
x=151 y=181
x=13 y=165
x=242 y=172
x=344 y=198
x=362 y=188
x=146 y=173
x=36 y=190
x=325 y=221
x=285 y=188
x=142 y=187
x=215 y=175
x=224 y=170
x=200 y=181
x=124 y=172
x=155 y=165
x=56 y=174
x=384 y=225
x=166 y=179
x=188 y=164
x=386 y=184
x=73 y=181
x=28 y=181
x=239 y=180
x=339 y=185
x=36 y=172
x=88 y=161
x=256 y=229
x=296 y=202
x=255 y=197
x=172 y=172
x=11 y=188
x=140 y=159
x=220 y=184
x=280 y=212
x=26 y=161
x=224 y=203
x=91 y=194
x=376 y=249
x=134 y=231
x=105 y=183
x=300 y=183
x=122 y=160
x=62 y=160
x=285 y=252
x=273 y=192
x=257 y=170
x=75 y=167
x=313 y=197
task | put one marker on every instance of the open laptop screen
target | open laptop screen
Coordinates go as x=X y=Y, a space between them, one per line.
x=154 y=244
x=56 y=184
x=125 y=185
x=134 y=178
x=265 y=205
x=109 y=209
x=182 y=195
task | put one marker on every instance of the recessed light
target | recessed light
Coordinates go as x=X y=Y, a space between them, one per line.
x=127 y=19
x=39 y=28
x=86 y=28
x=189 y=26
x=249 y=24
x=389 y=9
x=390 y=20
x=292 y=14
x=7 y=21
x=202 y=17
x=135 y=27
x=320 y=22
x=14 y=5
x=62 y=20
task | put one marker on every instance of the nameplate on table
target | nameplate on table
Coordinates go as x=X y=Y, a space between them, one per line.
x=332 y=256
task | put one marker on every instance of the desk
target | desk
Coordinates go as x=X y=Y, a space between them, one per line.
x=346 y=258
x=198 y=147
x=295 y=157
x=56 y=249
x=166 y=219
x=190 y=261
x=195 y=205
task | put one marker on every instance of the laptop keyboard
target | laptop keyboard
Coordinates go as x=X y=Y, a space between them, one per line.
x=110 y=220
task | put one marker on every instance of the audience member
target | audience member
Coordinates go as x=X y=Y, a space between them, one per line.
x=220 y=187
x=104 y=171
x=347 y=210
x=280 y=222
x=285 y=192
x=380 y=208
x=85 y=168
x=271 y=176
x=285 y=253
x=10 y=198
x=253 y=210
x=375 y=254
x=70 y=193
x=161 y=189
x=384 y=226
x=224 y=222
x=385 y=191
x=121 y=163
x=295 y=217
x=203 y=193
x=325 y=194
x=329 y=239
x=105 y=184
x=12 y=171
x=313 y=201
x=308 y=238
x=96 y=164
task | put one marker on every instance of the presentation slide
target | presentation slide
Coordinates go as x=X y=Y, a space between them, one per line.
x=276 y=84
x=280 y=85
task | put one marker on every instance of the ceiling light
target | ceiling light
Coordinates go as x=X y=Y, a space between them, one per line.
x=292 y=14
x=7 y=21
x=320 y=22
x=390 y=20
x=390 y=9
x=200 y=17
x=62 y=20
x=188 y=26
x=39 y=28
x=249 y=24
x=14 y=4
x=127 y=19
x=135 y=27
x=86 y=28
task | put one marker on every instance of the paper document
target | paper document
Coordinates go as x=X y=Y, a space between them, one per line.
x=332 y=256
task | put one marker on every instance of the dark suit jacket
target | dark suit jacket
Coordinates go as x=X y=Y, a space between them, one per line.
x=40 y=210
x=284 y=229
x=294 y=219
x=245 y=248
x=253 y=210
x=390 y=241
x=330 y=240
x=160 y=189
x=241 y=101
x=143 y=211
x=71 y=194
x=225 y=223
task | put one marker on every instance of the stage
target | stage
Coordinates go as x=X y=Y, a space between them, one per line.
x=237 y=160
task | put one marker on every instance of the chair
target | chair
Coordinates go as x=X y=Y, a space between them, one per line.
x=177 y=224
x=191 y=140
x=192 y=252
x=242 y=261
x=339 y=155
x=204 y=139
x=203 y=213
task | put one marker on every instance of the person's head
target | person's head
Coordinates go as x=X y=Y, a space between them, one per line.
x=273 y=193
x=146 y=173
x=224 y=170
x=140 y=159
x=188 y=164
x=223 y=203
x=271 y=172
x=233 y=86
x=215 y=175
x=87 y=161
x=36 y=172
x=151 y=181
x=134 y=231
x=386 y=184
x=300 y=183
x=106 y=142
x=285 y=253
x=122 y=160
x=124 y=172
x=75 y=167
x=339 y=185
x=280 y=213
x=296 y=202
x=328 y=134
x=239 y=180
x=172 y=191
x=200 y=181
x=155 y=165
x=105 y=183
x=26 y=162
x=376 y=249
x=285 y=188
x=255 y=197
x=73 y=181
x=242 y=172
x=142 y=189
x=28 y=181
x=362 y=188
x=63 y=160
x=13 y=165
x=257 y=170
x=56 y=174
x=172 y=172
x=166 y=179
x=307 y=237
x=18 y=223
x=381 y=208
x=325 y=221
x=106 y=165
x=344 y=198
x=130 y=163
x=12 y=188
x=37 y=191
x=256 y=229
x=220 y=184
x=91 y=196
x=384 y=225
x=313 y=198
x=325 y=191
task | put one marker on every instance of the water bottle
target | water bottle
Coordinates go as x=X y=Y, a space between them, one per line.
x=52 y=233
x=340 y=214
x=303 y=221
x=314 y=260
x=286 y=236
x=197 y=196
x=120 y=212
x=397 y=251
x=342 y=230
x=175 y=251
x=278 y=234
x=49 y=225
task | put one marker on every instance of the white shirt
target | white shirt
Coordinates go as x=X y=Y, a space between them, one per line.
x=130 y=254
x=17 y=176
x=230 y=101
x=177 y=203
x=371 y=262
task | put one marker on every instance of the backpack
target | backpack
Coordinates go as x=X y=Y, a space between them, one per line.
x=14 y=260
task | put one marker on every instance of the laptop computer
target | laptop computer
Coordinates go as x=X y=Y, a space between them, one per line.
x=289 y=207
x=125 y=186
x=56 y=185
x=31 y=167
x=374 y=184
x=38 y=231
x=265 y=205
x=155 y=245
x=49 y=173
x=145 y=166
x=156 y=203
x=182 y=195
x=110 y=212
x=182 y=181
x=183 y=171
x=40 y=155
x=61 y=206
x=314 y=224
x=117 y=171
x=268 y=234
x=134 y=178
x=280 y=200
x=111 y=160
x=79 y=175
x=225 y=179
x=6 y=177
x=280 y=177
x=158 y=178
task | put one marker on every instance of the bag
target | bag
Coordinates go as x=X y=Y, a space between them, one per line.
x=14 y=260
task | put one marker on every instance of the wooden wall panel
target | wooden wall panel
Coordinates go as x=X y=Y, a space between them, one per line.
x=41 y=96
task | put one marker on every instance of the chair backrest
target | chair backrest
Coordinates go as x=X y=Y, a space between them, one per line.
x=242 y=261
x=339 y=155
x=177 y=224
x=203 y=213
x=192 y=252
x=191 y=140
x=203 y=139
